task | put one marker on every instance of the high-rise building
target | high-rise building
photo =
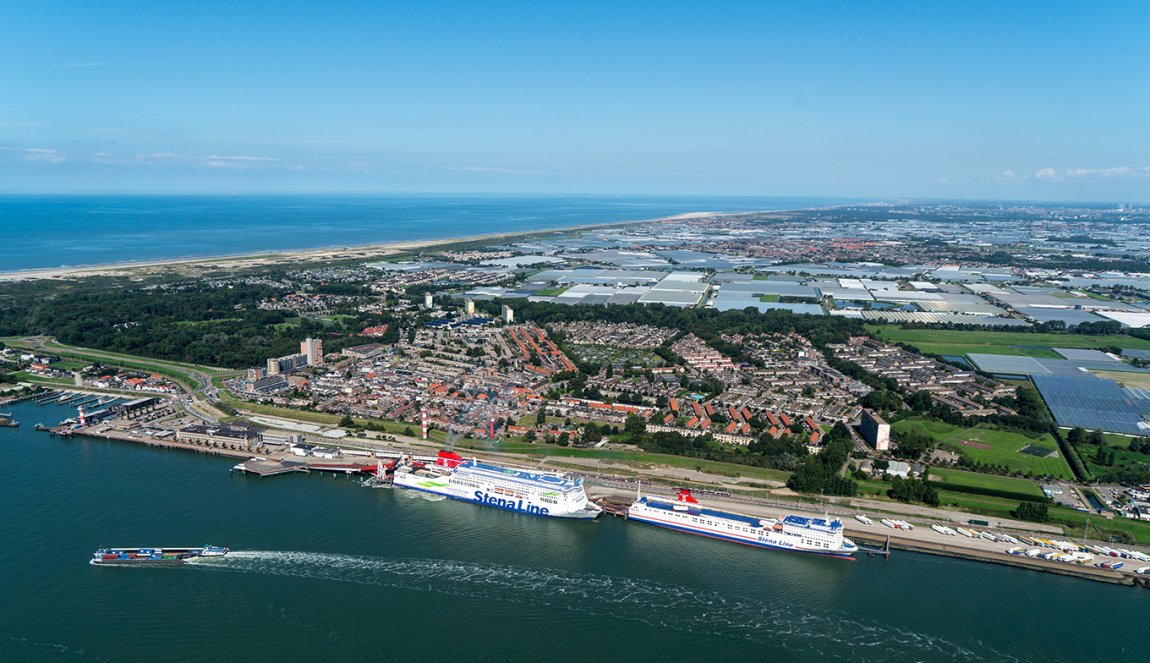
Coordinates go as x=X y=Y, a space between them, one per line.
x=428 y=300
x=508 y=314
x=313 y=349
x=875 y=430
x=469 y=306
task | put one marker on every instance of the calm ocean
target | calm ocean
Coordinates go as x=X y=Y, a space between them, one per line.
x=331 y=570
x=56 y=231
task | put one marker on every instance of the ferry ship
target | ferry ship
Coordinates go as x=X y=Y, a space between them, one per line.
x=152 y=556
x=548 y=494
x=685 y=514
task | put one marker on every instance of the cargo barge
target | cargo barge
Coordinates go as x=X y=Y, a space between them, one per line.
x=152 y=556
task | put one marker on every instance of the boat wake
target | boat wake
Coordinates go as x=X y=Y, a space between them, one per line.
x=420 y=495
x=822 y=634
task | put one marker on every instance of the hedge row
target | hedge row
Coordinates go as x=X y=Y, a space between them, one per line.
x=992 y=492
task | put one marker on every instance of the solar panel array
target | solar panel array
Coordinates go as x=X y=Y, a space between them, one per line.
x=1091 y=403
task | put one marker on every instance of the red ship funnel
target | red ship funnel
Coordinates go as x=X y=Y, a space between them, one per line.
x=686 y=496
x=449 y=459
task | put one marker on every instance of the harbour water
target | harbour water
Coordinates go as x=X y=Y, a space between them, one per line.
x=54 y=231
x=326 y=569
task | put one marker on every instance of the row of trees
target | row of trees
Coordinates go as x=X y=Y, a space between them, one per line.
x=1037 y=512
x=821 y=473
x=780 y=454
x=913 y=490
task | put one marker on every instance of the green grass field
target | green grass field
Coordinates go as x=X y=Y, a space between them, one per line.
x=25 y=376
x=993 y=481
x=961 y=342
x=983 y=505
x=1124 y=458
x=1112 y=439
x=643 y=458
x=1004 y=446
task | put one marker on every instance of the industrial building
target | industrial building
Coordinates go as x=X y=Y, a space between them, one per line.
x=248 y=436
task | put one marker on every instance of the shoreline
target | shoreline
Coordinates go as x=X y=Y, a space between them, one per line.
x=331 y=252
x=922 y=541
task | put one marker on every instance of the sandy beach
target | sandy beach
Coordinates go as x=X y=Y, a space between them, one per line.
x=193 y=265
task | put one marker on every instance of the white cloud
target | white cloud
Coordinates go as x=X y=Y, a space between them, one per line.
x=1006 y=175
x=238 y=161
x=493 y=170
x=1112 y=172
x=210 y=161
x=40 y=154
x=214 y=157
x=1106 y=173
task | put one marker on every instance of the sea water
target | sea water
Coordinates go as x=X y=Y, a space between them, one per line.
x=326 y=569
x=53 y=231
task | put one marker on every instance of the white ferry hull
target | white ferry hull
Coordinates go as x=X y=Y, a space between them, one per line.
x=578 y=508
x=756 y=537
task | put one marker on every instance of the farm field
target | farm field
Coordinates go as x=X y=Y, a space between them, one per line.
x=992 y=481
x=994 y=447
x=961 y=342
x=1136 y=380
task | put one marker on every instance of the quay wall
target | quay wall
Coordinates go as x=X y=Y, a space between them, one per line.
x=899 y=540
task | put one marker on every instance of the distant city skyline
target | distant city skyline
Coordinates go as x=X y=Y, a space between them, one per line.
x=1020 y=101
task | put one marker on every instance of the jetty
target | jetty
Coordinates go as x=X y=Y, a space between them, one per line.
x=270 y=467
x=266 y=467
x=612 y=507
x=881 y=551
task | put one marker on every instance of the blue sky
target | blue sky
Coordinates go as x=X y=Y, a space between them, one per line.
x=1015 y=100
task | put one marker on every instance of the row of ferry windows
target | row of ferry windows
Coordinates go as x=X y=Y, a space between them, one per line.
x=809 y=542
x=472 y=484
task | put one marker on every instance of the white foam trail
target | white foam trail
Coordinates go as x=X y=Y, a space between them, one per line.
x=826 y=635
x=420 y=495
